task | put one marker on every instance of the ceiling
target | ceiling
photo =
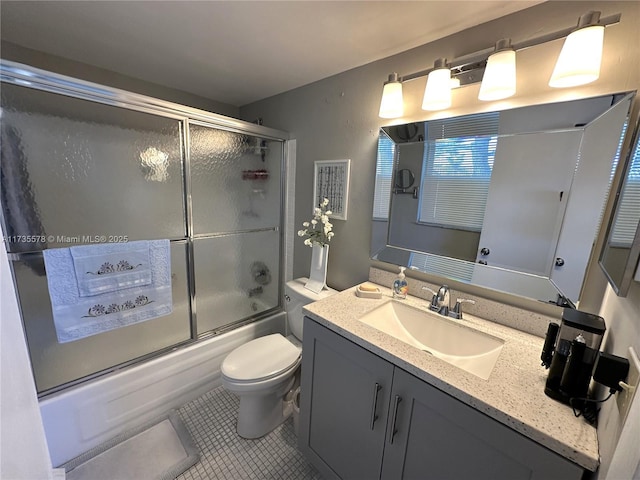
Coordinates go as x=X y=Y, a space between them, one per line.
x=237 y=52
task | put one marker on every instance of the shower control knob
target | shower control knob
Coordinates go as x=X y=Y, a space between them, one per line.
x=287 y=298
x=559 y=262
x=485 y=251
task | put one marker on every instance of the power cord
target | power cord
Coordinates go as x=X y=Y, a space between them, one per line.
x=588 y=409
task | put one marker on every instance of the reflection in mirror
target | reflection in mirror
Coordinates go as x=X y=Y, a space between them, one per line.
x=620 y=253
x=508 y=200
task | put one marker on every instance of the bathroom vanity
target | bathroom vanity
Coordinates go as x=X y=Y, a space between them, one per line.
x=373 y=406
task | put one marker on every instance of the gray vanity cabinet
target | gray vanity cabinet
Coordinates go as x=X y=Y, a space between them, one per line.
x=344 y=405
x=440 y=437
x=419 y=432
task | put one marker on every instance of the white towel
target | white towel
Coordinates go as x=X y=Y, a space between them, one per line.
x=77 y=316
x=108 y=267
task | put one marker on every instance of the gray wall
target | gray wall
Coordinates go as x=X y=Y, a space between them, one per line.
x=338 y=118
x=620 y=454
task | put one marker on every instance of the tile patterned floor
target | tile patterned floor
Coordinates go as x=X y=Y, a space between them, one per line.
x=224 y=455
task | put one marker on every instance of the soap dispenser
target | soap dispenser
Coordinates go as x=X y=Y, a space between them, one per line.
x=400 y=286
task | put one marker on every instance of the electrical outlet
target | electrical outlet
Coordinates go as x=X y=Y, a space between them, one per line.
x=625 y=397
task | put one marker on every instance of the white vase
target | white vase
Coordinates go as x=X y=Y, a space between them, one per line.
x=318 y=271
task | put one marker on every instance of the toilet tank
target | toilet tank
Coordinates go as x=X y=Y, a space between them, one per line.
x=296 y=297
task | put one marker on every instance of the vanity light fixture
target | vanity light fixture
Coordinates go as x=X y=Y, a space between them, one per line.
x=581 y=55
x=392 y=104
x=437 y=93
x=482 y=65
x=499 y=80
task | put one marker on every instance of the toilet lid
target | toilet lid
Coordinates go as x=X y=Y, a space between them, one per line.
x=260 y=358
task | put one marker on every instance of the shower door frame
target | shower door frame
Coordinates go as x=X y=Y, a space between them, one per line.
x=27 y=76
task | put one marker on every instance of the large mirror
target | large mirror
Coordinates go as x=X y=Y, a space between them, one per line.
x=508 y=200
x=619 y=256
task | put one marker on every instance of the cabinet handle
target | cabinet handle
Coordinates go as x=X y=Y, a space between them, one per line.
x=394 y=430
x=374 y=417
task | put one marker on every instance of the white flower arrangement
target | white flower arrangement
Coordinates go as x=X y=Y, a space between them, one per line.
x=318 y=230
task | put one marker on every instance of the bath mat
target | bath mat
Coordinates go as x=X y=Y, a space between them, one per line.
x=161 y=449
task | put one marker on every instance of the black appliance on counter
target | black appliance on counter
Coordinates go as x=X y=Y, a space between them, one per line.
x=570 y=352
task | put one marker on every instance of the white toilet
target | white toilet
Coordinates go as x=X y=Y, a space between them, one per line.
x=262 y=371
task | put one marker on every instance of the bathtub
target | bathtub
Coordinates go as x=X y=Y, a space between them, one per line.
x=83 y=417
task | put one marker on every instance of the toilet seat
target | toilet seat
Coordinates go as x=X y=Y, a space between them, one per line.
x=261 y=359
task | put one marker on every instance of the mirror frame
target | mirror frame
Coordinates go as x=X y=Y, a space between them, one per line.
x=632 y=142
x=377 y=251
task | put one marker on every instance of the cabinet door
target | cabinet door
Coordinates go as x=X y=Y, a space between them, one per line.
x=344 y=401
x=439 y=437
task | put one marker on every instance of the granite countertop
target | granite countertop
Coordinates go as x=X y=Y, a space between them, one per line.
x=513 y=394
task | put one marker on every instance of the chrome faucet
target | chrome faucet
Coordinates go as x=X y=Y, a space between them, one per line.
x=444 y=300
x=441 y=300
x=255 y=291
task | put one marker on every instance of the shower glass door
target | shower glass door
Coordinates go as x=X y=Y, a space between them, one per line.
x=78 y=172
x=236 y=195
x=77 y=169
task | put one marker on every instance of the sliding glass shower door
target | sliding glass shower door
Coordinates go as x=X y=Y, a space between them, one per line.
x=81 y=171
x=236 y=196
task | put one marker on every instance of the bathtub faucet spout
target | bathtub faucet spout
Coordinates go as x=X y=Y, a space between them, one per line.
x=255 y=291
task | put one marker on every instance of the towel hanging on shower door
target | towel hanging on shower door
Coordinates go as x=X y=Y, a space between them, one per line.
x=128 y=297
x=108 y=267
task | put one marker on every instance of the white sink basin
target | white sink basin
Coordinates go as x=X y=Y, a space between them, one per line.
x=471 y=350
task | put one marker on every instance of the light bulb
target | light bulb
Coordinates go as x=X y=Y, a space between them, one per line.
x=437 y=93
x=392 y=103
x=580 y=58
x=499 y=79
